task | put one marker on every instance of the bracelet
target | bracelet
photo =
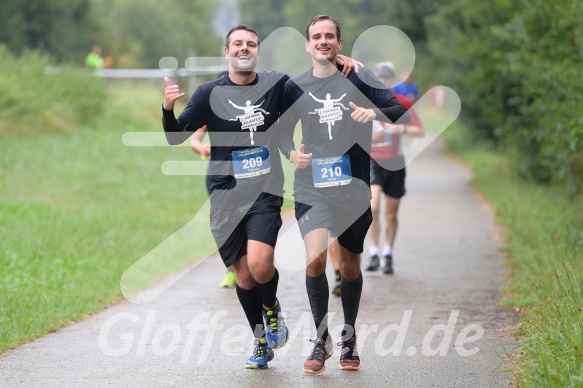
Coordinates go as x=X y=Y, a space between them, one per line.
x=404 y=129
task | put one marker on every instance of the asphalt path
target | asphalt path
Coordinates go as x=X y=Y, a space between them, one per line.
x=434 y=323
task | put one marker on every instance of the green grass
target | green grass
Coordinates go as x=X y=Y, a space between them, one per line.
x=543 y=245
x=78 y=208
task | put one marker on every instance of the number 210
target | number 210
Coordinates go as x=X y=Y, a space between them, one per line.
x=331 y=172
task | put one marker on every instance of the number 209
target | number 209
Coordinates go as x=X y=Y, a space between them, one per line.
x=252 y=163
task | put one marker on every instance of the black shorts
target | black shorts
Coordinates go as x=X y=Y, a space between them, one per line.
x=386 y=175
x=233 y=228
x=208 y=183
x=347 y=220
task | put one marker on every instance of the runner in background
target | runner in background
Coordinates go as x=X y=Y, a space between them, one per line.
x=204 y=150
x=388 y=175
x=334 y=252
x=409 y=89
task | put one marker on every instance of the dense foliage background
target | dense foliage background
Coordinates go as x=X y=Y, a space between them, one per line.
x=515 y=64
x=136 y=33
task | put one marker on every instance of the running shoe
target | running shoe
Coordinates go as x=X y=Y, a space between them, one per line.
x=322 y=351
x=336 y=289
x=388 y=264
x=374 y=263
x=275 y=328
x=262 y=354
x=349 y=359
x=229 y=281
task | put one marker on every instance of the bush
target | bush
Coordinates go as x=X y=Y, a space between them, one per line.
x=547 y=60
x=36 y=100
x=516 y=66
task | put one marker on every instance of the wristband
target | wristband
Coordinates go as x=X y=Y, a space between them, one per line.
x=404 y=129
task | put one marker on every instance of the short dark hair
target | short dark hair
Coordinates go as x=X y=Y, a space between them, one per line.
x=319 y=18
x=243 y=27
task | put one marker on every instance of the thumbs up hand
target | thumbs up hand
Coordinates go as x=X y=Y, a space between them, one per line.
x=299 y=158
x=362 y=115
x=171 y=94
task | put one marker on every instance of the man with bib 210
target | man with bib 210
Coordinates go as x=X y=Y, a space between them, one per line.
x=332 y=179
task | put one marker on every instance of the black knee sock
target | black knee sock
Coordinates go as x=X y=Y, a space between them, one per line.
x=252 y=304
x=318 y=291
x=350 y=293
x=269 y=290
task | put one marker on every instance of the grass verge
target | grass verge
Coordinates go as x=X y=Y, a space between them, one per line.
x=79 y=208
x=543 y=246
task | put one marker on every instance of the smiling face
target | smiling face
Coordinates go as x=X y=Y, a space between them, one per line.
x=323 y=42
x=242 y=51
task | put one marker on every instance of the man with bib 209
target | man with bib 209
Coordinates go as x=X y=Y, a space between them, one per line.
x=332 y=179
x=240 y=110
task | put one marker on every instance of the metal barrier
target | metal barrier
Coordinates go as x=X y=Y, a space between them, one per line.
x=159 y=73
x=191 y=73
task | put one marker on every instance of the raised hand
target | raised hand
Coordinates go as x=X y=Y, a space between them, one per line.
x=362 y=115
x=171 y=94
x=299 y=158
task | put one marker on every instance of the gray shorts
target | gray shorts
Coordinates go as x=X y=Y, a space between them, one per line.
x=349 y=220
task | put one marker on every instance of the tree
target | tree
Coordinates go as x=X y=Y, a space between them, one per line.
x=59 y=28
x=136 y=33
x=140 y=32
x=516 y=66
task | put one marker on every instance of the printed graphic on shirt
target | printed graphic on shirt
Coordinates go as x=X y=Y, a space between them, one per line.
x=251 y=118
x=331 y=111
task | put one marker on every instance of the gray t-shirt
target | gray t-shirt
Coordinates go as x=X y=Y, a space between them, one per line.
x=340 y=146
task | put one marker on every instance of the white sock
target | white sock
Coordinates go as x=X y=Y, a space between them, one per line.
x=387 y=250
x=373 y=250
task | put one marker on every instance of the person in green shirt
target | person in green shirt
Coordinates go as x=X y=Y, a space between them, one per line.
x=94 y=60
